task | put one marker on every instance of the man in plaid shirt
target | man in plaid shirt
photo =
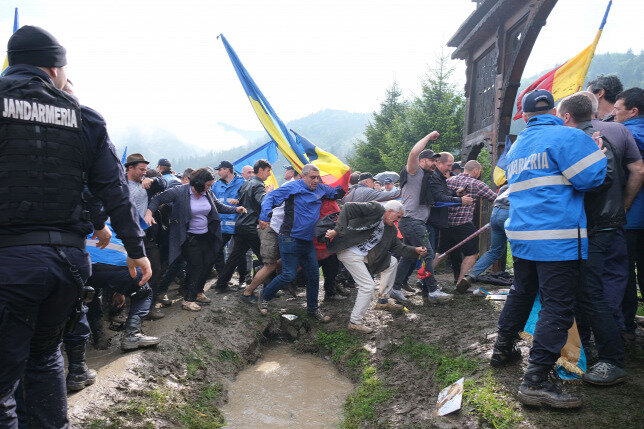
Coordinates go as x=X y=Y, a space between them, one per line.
x=460 y=225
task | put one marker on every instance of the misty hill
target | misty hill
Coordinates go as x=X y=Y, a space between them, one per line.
x=628 y=66
x=334 y=131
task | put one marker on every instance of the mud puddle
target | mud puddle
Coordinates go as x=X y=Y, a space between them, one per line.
x=284 y=389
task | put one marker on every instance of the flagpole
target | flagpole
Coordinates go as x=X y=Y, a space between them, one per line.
x=594 y=44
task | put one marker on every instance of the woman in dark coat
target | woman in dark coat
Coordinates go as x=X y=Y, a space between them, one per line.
x=195 y=230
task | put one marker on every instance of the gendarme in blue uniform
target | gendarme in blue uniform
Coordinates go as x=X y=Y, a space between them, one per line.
x=224 y=193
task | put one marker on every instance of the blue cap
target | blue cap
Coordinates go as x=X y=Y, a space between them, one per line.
x=388 y=180
x=164 y=162
x=530 y=100
x=225 y=164
x=289 y=167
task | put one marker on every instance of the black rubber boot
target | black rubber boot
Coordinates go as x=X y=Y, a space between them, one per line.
x=541 y=387
x=133 y=338
x=99 y=339
x=505 y=352
x=79 y=376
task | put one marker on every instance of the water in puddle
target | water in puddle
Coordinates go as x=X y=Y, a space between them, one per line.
x=285 y=389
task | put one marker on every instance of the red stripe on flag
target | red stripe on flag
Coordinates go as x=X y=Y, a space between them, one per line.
x=544 y=82
x=331 y=180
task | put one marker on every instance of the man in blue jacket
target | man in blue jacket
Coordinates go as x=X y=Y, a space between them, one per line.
x=628 y=111
x=302 y=199
x=226 y=190
x=550 y=166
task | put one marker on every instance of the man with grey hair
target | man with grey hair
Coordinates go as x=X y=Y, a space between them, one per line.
x=364 y=238
x=247 y=172
x=364 y=191
x=303 y=199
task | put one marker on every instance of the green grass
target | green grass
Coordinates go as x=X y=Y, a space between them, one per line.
x=490 y=405
x=360 y=408
x=449 y=368
x=202 y=412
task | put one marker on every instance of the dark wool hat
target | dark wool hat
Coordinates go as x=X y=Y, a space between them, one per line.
x=35 y=46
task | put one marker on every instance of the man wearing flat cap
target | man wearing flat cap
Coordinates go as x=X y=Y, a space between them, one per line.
x=51 y=148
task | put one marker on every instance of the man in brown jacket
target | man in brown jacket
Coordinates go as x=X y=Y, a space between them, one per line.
x=364 y=238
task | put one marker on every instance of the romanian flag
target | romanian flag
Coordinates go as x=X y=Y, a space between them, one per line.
x=569 y=77
x=332 y=170
x=268 y=152
x=15 y=28
x=498 y=175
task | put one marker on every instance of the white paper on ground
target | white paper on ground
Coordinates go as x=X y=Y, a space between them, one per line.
x=450 y=398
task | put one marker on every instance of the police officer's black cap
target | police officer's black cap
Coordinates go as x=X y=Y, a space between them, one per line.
x=135 y=158
x=164 y=162
x=289 y=167
x=35 y=46
x=365 y=176
x=530 y=100
x=225 y=164
x=428 y=153
x=456 y=166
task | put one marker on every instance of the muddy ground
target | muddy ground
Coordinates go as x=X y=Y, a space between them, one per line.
x=398 y=370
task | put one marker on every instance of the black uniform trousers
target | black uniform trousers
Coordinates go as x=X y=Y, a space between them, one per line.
x=244 y=239
x=37 y=295
x=557 y=283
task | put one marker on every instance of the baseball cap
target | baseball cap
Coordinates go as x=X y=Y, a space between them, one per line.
x=164 y=162
x=365 y=176
x=388 y=180
x=456 y=166
x=428 y=153
x=530 y=100
x=225 y=164
x=135 y=158
x=289 y=167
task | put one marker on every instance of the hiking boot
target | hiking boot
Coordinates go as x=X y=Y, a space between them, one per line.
x=604 y=374
x=399 y=296
x=505 y=352
x=99 y=339
x=341 y=290
x=541 y=387
x=134 y=338
x=334 y=297
x=388 y=306
x=464 y=284
x=248 y=299
x=79 y=376
x=409 y=288
x=318 y=314
x=164 y=300
x=190 y=306
x=360 y=328
x=439 y=296
x=203 y=299
x=155 y=314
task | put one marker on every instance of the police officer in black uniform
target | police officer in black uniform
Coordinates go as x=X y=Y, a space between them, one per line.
x=48 y=150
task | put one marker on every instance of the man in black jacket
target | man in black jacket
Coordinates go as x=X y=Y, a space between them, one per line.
x=605 y=216
x=365 y=237
x=251 y=195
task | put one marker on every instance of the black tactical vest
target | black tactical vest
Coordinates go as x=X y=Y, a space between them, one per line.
x=41 y=155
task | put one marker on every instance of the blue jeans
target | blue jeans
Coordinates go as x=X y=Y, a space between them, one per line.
x=295 y=253
x=413 y=232
x=498 y=243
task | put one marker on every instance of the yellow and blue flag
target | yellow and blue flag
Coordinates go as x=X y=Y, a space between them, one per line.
x=498 y=175
x=268 y=152
x=332 y=170
x=15 y=28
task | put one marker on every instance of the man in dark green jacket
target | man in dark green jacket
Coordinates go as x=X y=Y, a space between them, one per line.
x=364 y=239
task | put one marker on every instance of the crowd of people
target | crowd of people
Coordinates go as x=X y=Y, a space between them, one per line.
x=572 y=210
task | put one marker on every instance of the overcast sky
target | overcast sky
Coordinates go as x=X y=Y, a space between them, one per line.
x=159 y=64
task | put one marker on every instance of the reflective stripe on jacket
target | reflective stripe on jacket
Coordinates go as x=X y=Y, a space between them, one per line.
x=549 y=168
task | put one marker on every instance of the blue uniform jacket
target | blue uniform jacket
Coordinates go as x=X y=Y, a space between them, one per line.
x=549 y=168
x=301 y=208
x=635 y=216
x=224 y=193
x=171 y=180
x=113 y=254
x=105 y=177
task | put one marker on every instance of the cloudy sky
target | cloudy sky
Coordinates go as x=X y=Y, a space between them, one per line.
x=158 y=64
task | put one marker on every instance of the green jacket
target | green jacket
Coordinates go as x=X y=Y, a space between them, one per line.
x=355 y=224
